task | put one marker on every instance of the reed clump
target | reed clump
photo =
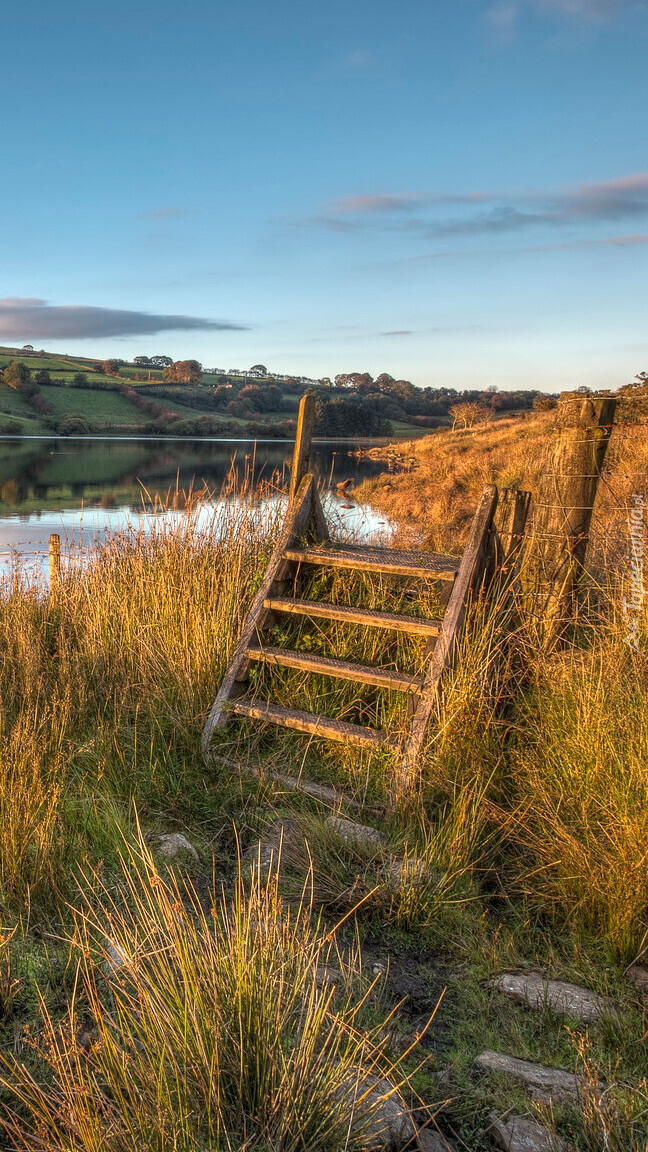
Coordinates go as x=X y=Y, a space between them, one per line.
x=213 y=1026
x=105 y=681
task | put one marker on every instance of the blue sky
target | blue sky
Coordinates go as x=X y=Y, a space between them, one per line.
x=455 y=193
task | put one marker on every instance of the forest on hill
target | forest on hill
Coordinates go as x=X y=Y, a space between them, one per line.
x=48 y=394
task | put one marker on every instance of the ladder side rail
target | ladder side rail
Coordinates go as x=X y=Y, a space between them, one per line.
x=295 y=527
x=471 y=569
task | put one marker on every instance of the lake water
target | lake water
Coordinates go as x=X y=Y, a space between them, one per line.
x=79 y=488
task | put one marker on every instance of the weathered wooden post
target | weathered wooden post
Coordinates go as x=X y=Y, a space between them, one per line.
x=507 y=534
x=562 y=511
x=301 y=455
x=54 y=560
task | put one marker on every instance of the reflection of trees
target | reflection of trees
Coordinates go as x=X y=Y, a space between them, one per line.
x=42 y=472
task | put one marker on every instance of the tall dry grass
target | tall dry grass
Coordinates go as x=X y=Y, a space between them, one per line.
x=216 y=1024
x=105 y=681
x=433 y=505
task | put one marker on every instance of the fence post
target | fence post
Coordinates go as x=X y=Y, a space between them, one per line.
x=562 y=510
x=301 y=455
x=507 y=534
x=54 y=560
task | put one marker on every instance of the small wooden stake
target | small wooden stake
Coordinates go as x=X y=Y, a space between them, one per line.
x=54 y=560
x=301 y=455
x=562 y=511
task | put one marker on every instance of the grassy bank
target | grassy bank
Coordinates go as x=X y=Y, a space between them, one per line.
x=432 y=505
x=525 y=848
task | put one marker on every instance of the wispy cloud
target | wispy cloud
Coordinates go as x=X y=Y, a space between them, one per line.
x=368 y=204
x=595 y=10
x=28 y=318
x=358 y=60
x=501 y=19
x=165 y=214
x=631 y=240
x=624 y=198
x=483 y=213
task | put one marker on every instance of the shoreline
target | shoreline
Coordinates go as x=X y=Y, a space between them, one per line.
x=377 y=440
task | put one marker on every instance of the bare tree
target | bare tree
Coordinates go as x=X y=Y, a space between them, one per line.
x=468 y=413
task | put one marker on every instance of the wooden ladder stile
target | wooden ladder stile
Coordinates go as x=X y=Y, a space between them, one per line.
x=305 y=540
x=471 y=570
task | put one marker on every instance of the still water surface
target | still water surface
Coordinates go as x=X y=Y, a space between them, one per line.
x=81 y=488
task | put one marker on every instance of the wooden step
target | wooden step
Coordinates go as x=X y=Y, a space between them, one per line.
x=323 y=611
x=307 y=722
x=391 y=561
x=325 y=666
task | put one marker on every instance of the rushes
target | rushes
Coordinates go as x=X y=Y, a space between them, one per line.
x=216 y=1030
x=31 y=791
x=580 y=772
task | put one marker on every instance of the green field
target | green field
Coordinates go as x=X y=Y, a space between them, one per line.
x=105 y=410
x=56 y=364
x=96 y=406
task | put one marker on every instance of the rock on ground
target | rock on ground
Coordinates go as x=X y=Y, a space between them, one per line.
x=639 y=977
x=558 y=996
x=116 y=958
x=324 y=974
x=413 y=870
x=171 y=844
x=518 y=1134
x=267 y=851
x=383 y=1118
x=431 y=1141
x=360 y=833
x=543 y=1084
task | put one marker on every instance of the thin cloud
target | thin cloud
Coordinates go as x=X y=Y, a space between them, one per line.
x=165 y=214
x=359 y=60
x=34 y=319
x=349 y=213
x=502 y=18
x=399 y=332
x=482 y=213
x=501 y=21
x=631 y=240
x=591 y=10
x=361 y=205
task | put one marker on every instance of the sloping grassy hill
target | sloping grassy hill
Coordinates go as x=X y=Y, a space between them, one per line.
x=109 y=408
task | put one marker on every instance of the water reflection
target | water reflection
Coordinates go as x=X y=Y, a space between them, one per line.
x=80 y=488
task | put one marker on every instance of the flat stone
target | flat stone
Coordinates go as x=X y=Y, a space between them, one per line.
x=639 y=977
x=431 y=1141
x=324 y=974
x=413 y=870
x=383 y=1119
x=171 y=844
x=267 y=851
x=116 y=958
x=558 y=996
x=359 y=833
x=519 y=1134
x=545 y=1084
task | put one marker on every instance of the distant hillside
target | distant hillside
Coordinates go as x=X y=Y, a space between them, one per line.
x=44 y=393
